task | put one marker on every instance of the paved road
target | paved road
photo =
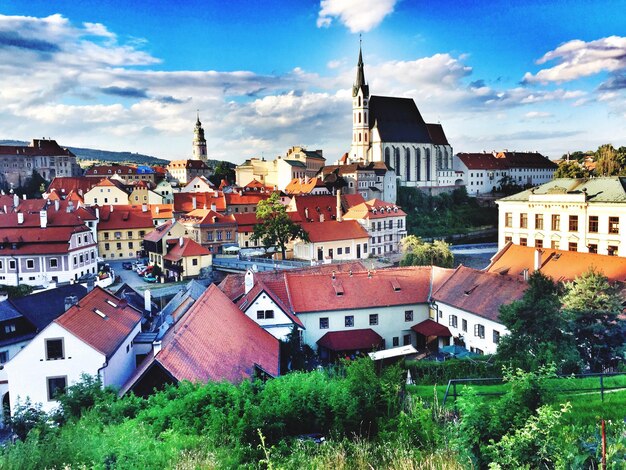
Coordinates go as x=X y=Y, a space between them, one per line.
x=128 y=276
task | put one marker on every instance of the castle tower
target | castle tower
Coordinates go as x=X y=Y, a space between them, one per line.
x=360 y=113
x=199 y=142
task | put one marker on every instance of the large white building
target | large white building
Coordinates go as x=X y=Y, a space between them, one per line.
x=392 y=130
x=567 y=214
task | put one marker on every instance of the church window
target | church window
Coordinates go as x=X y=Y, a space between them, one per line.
x=365 y=135
x=359 y=137
x=418 y=163
x=407 y=163
x=365 y=116
x=387 y=157
x=359 y=101
x=396 y=155
x=427 y=164
x=359 y=117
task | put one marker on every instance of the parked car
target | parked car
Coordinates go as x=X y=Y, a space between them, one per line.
x=149 y=278
x=127 y=265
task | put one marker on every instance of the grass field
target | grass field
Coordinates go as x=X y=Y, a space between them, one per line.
x=583 y=393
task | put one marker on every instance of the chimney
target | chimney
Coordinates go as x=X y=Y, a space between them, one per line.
x=98 y=213
x=248 y=281
x=194 y=203
x=5 y=209
x=181 y=241
x=70 y=301
x=538 y=254
x=144 y=207
x=111 y=208
x=306 y=213
x=213 y=207
x=525 y=274
x=43 y=218
x=156 y=347
x=339 y=215
x=16 y=200
x=56 y=205
x=24 y=196
x=20 y=218
x=156 y=209
x=321 y=217
x=147 y=301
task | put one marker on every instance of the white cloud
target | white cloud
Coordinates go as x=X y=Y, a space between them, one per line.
x=356 y=15
x=578 y=59
x=537 y=115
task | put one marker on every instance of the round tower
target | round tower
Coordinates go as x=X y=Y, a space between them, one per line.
x=199 y=142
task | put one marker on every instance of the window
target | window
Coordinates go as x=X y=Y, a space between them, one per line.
x=593 y=248
x=406 y=340
x=118 y=235
x=395 y=341
x=349 y=320
x=209 y=236
x=347 y=250
x=106 y=246
x=129 y=234
x=9 y=328
x=56 y=387
x=106 y=235
x=508 y=239
x=30 y=264
x=539 y=243
x=523 y=220
x=593 y=223
x=612 y=250
x=75 y=260
x=4 y=356
x=339 y=251
x=464 y=325
x=523 y=241
x=142 y=233
x=373 y=319
x=508 y=219
x=479 y=330
x=194 y=261
x=453 y=320
x=572 y=246
x=324 y=323
x=408 y=315
x=573 y=223
x=556 y=222
x=54 y=263
x=267 y=314
x=118 y=245
x=54 y=349
x=539 y=221
x=130 y=245
x=496 y=337
x=613 y=224
x=219 y=235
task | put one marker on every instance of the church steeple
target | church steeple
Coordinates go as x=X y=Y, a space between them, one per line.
x=360 y=78
x=361 y=136
x=199 y=142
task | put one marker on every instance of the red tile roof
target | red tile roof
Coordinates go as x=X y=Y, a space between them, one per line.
x=306 y=186
x=189 y=248
x=124 y=217
x=247 y=198
x=162 y=211
x=159 y=232
x=183 y=202
x=505 y=160
x=431 y=328
x=557 y=264
x=333 y=231
x=311 y=207
x=207 y=217
x=374 y=209
x=259 y=288
x=216 y=341
x=246 y=221
x=110 y=170
x=479 y=292
x=384 y=287
x=103 y=334
x=38 y=147
x=351 y=200
x=189 y=164
x=66 y=184
x=351 y=340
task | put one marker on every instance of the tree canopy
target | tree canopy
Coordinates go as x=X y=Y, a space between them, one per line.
x=275 y=227
x=570 y=169
x=420 y=253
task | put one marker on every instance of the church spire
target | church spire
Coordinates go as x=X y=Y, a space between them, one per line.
x=199 y=142
x=360 y=77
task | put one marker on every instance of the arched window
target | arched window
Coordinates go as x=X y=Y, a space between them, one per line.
x=418 y=163
x=439 y=162
x=396 y=158
x=447 y=159
x=359 y=117
x=365 y=135
x=359 y=101
x=427 y=164
x=387 y=158
x=359 y=137
x=407 y=164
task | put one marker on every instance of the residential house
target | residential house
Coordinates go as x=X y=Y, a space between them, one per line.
x=567 y=214
x=166 y=191
x=155 y=242
x=142 y=193
x=64 y=186
x=384 y=222
x=469 y=304
x=332 y=240
x=314 y=186
x=44 y=242
x=245 y=229
x=198 y=184
x=187 y=202
x=184 y=171
x=128 y=174
x=185 y=259
x=482 y=173
x=121 y=231
x=161 y=213
x=244 y=201
x=213 y=341
x=94 y=336
x=372 y=181
x=210 y=229
x=107 y=191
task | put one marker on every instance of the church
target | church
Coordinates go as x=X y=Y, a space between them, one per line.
x=392 y=130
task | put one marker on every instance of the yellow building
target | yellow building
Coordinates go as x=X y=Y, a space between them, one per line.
x=121 y=230
x=108 y=191
x=184 y=259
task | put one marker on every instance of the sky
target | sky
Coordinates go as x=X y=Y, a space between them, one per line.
x=547 y=76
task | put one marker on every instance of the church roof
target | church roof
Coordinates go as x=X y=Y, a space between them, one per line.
x=437 y=135
x=398 y=120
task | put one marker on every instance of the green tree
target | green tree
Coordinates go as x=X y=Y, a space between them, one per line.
x=538 y=330
x=276 y=227
x=592 y=305
x=609 y=161
x=570 y=169
x=223 y=171
x=419 y=253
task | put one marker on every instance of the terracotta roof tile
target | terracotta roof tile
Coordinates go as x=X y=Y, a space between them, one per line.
x=332 y=231
x=351 y=340
x=189 y=248
x=124 y=217
x=183 y=202
x=429 y=327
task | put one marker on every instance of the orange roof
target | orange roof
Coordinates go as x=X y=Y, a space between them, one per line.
x=351 y=200
x=332 y=230
x=66 y=184
x=311 y=207
x=183 y=202
x=246 y=221
x=374 y=209
x=162 y=211
x=207 y=216
x=105 y=334
x=216 y=341
x=557 y=264
x=247 y=198
x=124 y=217
x=306 y=186
x=357 y=290
x=479 y=292
x=259 y=288
x=188 y=248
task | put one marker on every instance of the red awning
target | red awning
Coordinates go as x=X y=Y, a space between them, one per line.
x=351 y=340
x=431 y=328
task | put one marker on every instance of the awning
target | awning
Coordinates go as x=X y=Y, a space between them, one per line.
x=351 y=340
x=431 y=328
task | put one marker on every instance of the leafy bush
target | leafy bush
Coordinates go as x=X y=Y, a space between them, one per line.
x=432 y=372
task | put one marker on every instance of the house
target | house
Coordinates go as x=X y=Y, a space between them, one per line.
x=161 y=213
x=245 y=229
x=94 y=336
x=213 y=341
x=567 y=214
x=313 y=185
x=166 y=191
x=483 y=173
x=210 y=229
x=107 y=191
x=469 y=304
x=198 y=184
x=238 y=202
x=127 y=174
x=372 y=181
x=332 y=240
x=155 y=242
x=384 y=222
x=278 y=173
x=187 y=202
x=142 y=193
x=49 y=159
x=22 y=318
x=63 y=186
x=185 y=259
x=392 y=130
x=44 y=242
x=121 y=230
x=184 y=171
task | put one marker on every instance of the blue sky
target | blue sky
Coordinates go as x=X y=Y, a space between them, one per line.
x=534 y=75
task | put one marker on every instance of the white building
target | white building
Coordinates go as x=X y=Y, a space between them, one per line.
x=93 y=337
x=567 y=214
